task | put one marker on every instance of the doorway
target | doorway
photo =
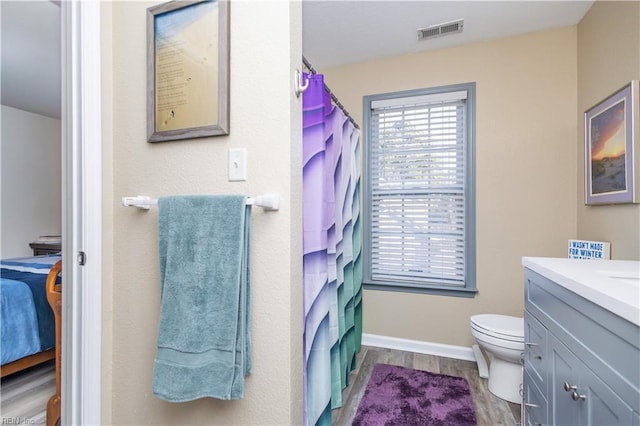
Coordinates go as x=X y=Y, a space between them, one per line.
x=76 y=29
x=81 y=212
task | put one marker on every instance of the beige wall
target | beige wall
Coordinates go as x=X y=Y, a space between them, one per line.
x=525 y=168
x=608 y=58
x=265 y=118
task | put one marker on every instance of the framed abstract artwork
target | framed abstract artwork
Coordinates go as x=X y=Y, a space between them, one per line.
x=187 y=70
x=611 y=148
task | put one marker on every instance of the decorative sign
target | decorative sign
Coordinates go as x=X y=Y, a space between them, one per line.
x=580 y=249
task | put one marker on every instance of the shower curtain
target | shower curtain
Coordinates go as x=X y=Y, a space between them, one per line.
x=332 y=262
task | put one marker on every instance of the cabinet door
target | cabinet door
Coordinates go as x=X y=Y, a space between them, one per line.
x=565 y=368
x=603 y=407
x=591 y=403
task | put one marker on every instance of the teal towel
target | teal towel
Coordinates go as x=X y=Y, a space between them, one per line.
x=204 y=340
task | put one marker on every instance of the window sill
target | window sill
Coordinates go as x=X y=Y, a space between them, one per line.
x=422 y=289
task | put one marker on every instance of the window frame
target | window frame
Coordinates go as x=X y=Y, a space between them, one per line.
x=469 y=289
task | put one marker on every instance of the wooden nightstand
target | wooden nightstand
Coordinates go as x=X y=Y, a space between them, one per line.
x=45 y=248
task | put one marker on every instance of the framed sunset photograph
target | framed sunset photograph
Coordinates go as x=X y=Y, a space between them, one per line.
x=611 y=148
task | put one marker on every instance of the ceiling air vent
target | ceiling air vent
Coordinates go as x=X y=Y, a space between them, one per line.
x=441 y=29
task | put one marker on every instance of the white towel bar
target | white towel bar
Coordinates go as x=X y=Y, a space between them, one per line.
x=266 y=201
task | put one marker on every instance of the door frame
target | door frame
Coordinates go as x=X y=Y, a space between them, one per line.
x=81 y=212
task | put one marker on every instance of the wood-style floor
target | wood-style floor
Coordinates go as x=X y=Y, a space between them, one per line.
x=490 y=410
x=24 y=395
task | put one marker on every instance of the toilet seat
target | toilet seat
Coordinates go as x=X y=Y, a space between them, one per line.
x=503 y=327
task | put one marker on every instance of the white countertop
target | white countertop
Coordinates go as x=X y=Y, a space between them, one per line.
x=612 y=284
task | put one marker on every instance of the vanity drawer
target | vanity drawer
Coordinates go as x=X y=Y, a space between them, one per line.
x=535 y=340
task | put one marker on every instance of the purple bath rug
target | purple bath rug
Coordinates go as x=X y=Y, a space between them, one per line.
x=404 y=396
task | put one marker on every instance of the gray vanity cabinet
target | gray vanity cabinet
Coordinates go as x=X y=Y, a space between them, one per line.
x=581 y=362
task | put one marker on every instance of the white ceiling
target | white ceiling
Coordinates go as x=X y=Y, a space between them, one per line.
x=335 y=32
x=30 y=47
x=343 y=32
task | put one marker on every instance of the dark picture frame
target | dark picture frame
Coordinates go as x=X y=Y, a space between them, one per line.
x=187 y=70
x=611 y=148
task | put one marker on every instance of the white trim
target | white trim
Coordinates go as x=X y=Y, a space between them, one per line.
x=82 y=218
x=429 y=348
x=91 y=322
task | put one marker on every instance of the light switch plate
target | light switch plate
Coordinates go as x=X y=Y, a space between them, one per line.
x=237 y=164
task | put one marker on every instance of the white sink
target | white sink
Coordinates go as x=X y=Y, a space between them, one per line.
x=626 y=277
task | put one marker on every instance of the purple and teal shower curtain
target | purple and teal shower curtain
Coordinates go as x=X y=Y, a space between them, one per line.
x=332 y=263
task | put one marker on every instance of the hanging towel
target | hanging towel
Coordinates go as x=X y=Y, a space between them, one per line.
x=204 y=340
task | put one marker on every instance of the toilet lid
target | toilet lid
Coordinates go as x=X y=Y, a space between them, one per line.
x=506 y=326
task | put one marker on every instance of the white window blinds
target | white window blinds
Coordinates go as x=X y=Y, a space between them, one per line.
x=417 y=189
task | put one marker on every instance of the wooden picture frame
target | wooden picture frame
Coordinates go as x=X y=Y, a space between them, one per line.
x=187 y=70
x=611 y=149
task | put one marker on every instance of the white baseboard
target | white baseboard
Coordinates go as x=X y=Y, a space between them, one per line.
x=429 y=348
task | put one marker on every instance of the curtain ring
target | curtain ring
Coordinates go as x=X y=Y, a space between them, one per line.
x=299 y=87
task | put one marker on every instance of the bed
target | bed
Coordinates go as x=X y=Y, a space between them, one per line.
x=27 y=323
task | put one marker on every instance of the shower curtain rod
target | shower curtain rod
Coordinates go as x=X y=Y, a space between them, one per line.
x=334 y=98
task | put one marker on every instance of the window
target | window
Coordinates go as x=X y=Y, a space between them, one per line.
x=419 y=200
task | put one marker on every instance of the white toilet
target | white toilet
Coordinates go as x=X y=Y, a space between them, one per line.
x=502 y=337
